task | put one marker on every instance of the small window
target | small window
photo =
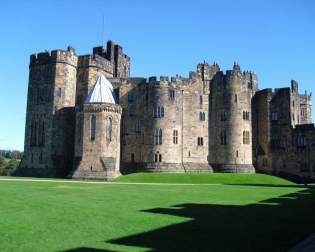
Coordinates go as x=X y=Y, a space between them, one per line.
x=274 y=116
x=158 y=111
x=235 y=98
x=237 y=153
x=59 y=92
x=109 y=129
x=202 y=116
x=138 y=127
x=200 y=141
x=246 y=139
x=160 y=157
x=301 y=141
x=171 y=94
x=158 y=136
x=200 y=99
x=132 y=157
x=175 y=137
x=92 y=128
x=223 y=137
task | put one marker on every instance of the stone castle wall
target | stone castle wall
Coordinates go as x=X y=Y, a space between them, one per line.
x=230 y=123
x=196 y=110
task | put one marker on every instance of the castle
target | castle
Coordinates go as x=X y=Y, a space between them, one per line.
x=87 y=118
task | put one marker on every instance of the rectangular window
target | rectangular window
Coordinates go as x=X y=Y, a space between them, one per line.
x=223 y=137
x=274 y=116
x=200 y=99
x=138 y=127
x=172 y=94
x=132 y=157
x=200 y=141
x=246 y=139
x=158 y=136
x=158 y=111
x=202 y=116
x=175 y=137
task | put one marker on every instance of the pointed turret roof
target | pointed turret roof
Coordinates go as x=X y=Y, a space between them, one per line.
x=101 y=92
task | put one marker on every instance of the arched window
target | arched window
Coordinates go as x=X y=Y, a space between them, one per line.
x=109 y=129
x=92 y=128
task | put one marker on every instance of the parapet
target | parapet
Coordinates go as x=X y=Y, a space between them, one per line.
x=56 y=56
x=96 y=61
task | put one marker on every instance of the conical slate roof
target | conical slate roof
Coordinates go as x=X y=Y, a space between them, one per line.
x=101 y=92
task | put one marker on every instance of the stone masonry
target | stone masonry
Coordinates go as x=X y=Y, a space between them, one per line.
x=211 y=121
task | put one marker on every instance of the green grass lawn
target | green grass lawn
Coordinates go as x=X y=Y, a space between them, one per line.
x=242 y=214
x=205 y=178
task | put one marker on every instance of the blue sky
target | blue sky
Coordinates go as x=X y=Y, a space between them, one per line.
x=276 y=39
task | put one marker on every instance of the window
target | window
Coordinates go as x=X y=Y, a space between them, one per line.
x=237 y=153
x=274 y=116
x=171 y=94
x=301 y=141
x=158 y=136
x=202 y=116
x=223 y=137
x=131 y=97
x=200 y=99
x=175 y=137
x=109 y=129
x=246 y=137
x=59 y=92
x=138 y=127
x=200 y=141
x=157 y=158
x=92 y=127
x=246 y=115
x=132 y=157
x=223 y=115
x=158 y=111
x=235 y=98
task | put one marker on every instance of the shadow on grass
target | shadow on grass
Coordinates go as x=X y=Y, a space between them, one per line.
x=276 y=224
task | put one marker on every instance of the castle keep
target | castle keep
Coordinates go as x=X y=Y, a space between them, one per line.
x=87 y=118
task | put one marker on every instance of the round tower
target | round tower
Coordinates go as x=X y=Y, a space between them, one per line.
x=230 y=148
x=98 y=134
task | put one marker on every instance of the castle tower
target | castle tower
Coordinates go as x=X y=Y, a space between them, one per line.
x=49 y=126
x=230 y=147
x=97 y=148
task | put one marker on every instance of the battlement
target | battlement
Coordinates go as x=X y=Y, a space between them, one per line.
x=95 y=61
x=56 y=56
